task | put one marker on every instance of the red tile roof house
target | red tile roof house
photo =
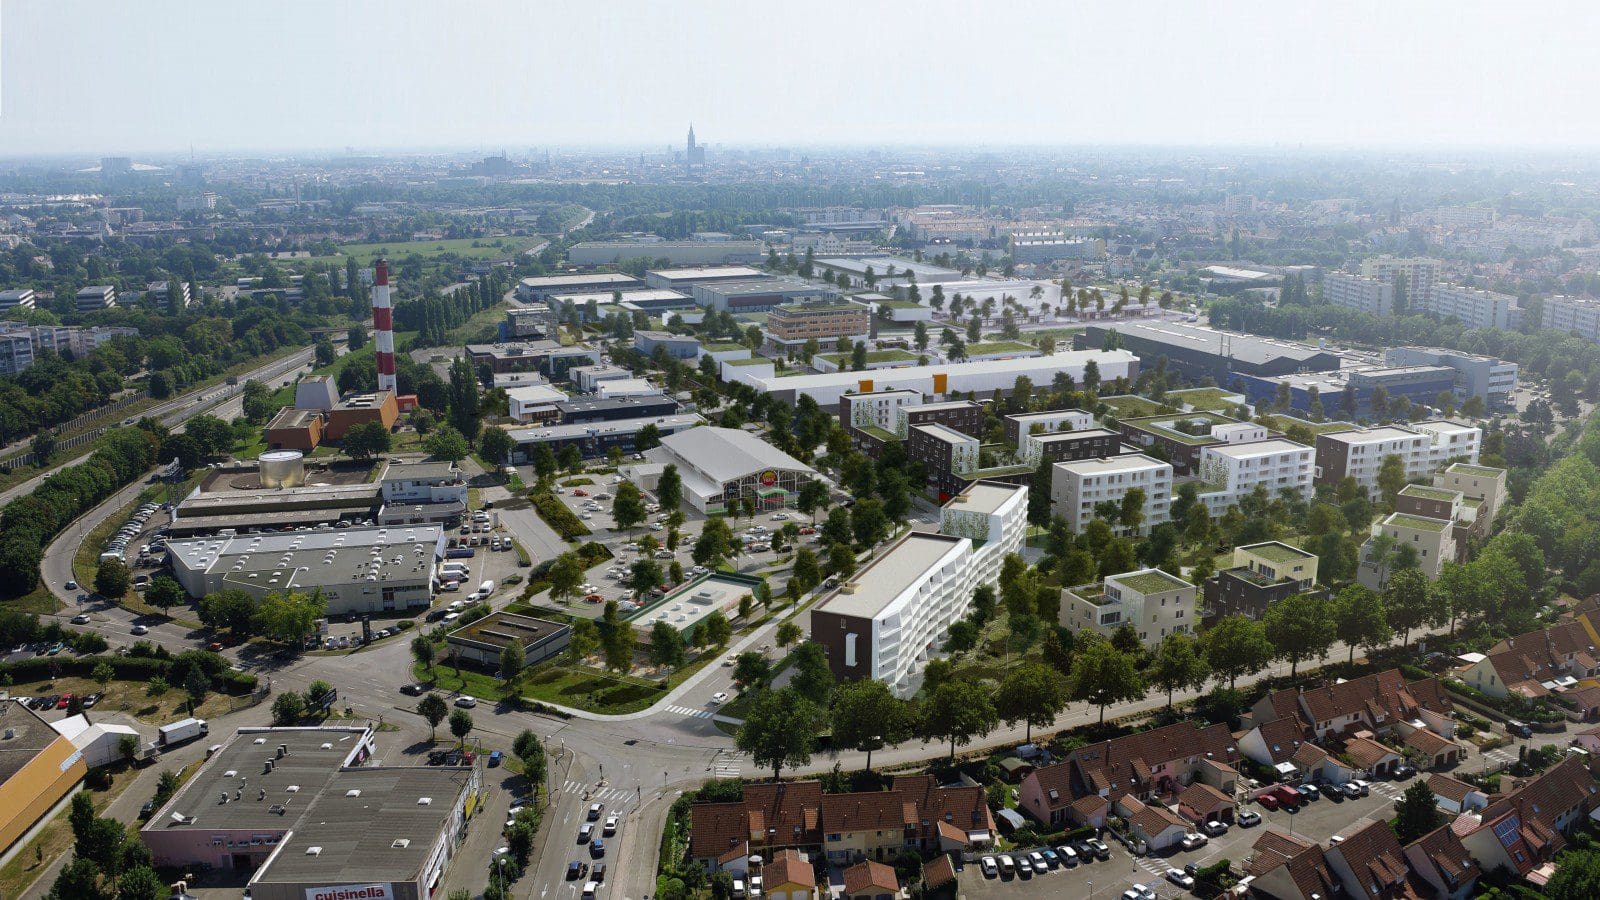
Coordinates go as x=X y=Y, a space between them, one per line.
x=1455 y=796
x=1204 y=803
x=1377 y=703
x=1316 y=764
x=1524 y=830
x=1367 y=755
x=1287 y=867
x=1150 y=765
x=1588 y=739
x=1439 y=860
x=1370 y=863
x=770 y=817
x=1526 y=664
x=870 y=881
x=1160 y=828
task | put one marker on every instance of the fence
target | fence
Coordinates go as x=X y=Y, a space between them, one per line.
x=26 y=457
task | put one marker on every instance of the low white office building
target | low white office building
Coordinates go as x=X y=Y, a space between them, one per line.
x=891 y=617
x=1078 y=486
x=1152 y=602
x=362 y=569
x=535 y=402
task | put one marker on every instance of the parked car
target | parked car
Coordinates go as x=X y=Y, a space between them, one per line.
x=1036 y=859
x=495 y=758
x=1067 y=855
x=1249 y=818
x=990 y=868
x=1310 y=791
x=1180 y=878
x=1193 y=840
x=80 y=619
x=413 y=689
x=1268 y=801
x=1361 y=786
x=1214 y=827
x=466 y=701
x=1404 y=771
x=1102 y=850
x=1519 y=729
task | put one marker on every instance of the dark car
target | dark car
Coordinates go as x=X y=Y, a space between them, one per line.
x=148 y=809
x=412 y=690
x=598 y=873
x=1520 y=729
x=577 y=869
x=597 y=848
x=1404 y=771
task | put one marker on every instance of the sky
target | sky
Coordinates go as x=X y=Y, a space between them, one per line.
x=153 y=77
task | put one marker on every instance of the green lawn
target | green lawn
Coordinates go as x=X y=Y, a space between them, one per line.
x=1204 y=399
x=984 y=349
x=1129 y=406
x=580 y=687
x=843 y=360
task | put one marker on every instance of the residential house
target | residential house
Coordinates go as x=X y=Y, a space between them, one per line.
x=1534 y=664
x=1149 y=765
x=1439 y=860
x=1430 y=751
x=1367 y=755
x=1588 y=739
x=939 y=879
x=1378 y=703
x=1154 y=603
x=1289 y=867
x=1261 y=575
x=771 y=817
x=789 y=876
x=1316 y=764
x=1275 y=743
x=1203 y=803
x=1523 y=830
x=1370 y=862
x=1160 y=828
x=914 y=814
x=1456 y=796
x=870 y=880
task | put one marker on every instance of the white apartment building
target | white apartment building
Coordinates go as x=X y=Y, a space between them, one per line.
x=1421 y=275
x=1474 y=308
x=16 y=351
x=1076 y=487
x=17 y=298
x=1153 y=602
x=879 y=409
x=1432 y=540
x=890 y=618
x=1020 y=424
x=96 y=296
x=1573 y=315
x=1359 y=292
x=1232 y=471
x=424 y=482
x=1424 y=447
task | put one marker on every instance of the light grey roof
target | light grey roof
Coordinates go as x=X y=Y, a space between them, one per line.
x=729 y=453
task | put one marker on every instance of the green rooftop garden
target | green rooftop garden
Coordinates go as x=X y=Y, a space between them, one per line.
x=986 y=348
x=722 y=347
x=1130 y=406
x=996 y=471
x=1092 y=593
x=1150 y=582
x=1182 y=425
x=882 y=434
x=1402 y=520
x=1282 y=423
x=752 y=361
x=899 y=304
x=843 y=360
x=1469 y=469
x=1428 y=493
x=1210 y=399
x=1275 y=552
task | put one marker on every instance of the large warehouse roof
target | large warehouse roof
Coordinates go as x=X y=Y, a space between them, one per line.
x=1232 y=345
x=728 y=453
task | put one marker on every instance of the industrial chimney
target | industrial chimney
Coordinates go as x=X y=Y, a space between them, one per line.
x=383 y=325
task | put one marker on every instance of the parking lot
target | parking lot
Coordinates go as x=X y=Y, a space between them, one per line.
x=1321 y=820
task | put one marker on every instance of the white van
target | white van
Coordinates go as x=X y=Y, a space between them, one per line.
x=486 y=588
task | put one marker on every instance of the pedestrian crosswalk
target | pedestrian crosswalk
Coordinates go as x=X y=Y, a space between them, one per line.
x=1500 y=756
x=1154 y=866
x=725 y=769
x=1385 y=789
x=612 y=797
x=691 y=713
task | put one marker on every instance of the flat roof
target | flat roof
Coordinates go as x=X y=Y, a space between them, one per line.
x=1149 y=581
x=768 y=285
x=1420 y=523
x=689 y=604
x=1163 y=425
x=1277 y=551
x=327 y=495
x=499 y=629
x=613 y=426
x=558 y=281
x=1470 y=469
x=201 y=553
x=291 y=417
x=31 y=735
x=594 y=403
x=1444 y=426
x=690 y=273
x=945 y=433
x=363 y=400
x=1245 y=347
x=729 y=453
x=1020 y=365
x=313 y=759
x=1430 y=493
x=886 y=578
x=1105 y=465
x=1251 y=449
x=984 y=497
x=537 y=393
x=422 y=468
x=383 y=834
x=880 y=266
x=1076 y=434
x=635 y=295
x=1371 y=435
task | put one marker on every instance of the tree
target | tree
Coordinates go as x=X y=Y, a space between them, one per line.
x=111 y=579
x=867 y=716
x=715 y=544
x=432 y=709
x=319 y=694
x=1416 y=813
x=79 y=879
x=446 y=443
x=460 y=725
x=868 y=522
x=1131 y=515
x=572 y=458
x=511 y=662
x=957 y=710
x=164 y=592
x=461 y=397
x=1359 y=619
x=628 y=507
x=1577 y=876
x=616 y=639
x=530 y=750
x=288 y=617
x=423 y=651
x=141 y=883
x=779 y=730
x=1103 y=675
x=287 y=708
x=1032 y=693
x=584 y=641
x=666 y=646
x=1300 y=628
x=752 y=671
x=565 y=576
x=1236 y=646
x=1391 y=477
x=366 y=440
x=1178 y=664
x=669 y=488
x=1407 y=599
x=715 y=629
x=788 y=633
x=806 y=569
x=811 y=679
x=813 y=497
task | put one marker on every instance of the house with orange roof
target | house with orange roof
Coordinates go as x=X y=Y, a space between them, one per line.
x=789 y=876
x=1523 y=830
x=870 y=880
x=1367 y=755
x=1537 y=663
x=1439 y=860
x=1370 y=863
x=1287 y=867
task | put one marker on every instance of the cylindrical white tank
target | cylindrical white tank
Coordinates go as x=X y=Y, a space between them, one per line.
x=282 y=468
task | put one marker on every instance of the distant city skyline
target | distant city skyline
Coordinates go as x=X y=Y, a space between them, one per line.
x=156 y=78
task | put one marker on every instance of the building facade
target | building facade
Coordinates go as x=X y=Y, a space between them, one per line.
x=1076 y=488
x=1152 y=602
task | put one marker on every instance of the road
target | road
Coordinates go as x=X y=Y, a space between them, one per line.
x=217 y=399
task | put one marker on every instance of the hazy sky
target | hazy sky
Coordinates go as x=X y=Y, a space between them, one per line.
x=100 y=77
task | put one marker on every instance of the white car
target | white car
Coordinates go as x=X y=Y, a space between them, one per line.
x=466 y=701
x=80 y=619
x=1215 y=828
x=1194 y=839
x=1180 y=878
x=611 y=826
x=719 y=697
x=140 y=630
x=990 y=868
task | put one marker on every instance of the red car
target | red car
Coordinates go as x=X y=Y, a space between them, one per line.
x=1268 y=801
x=214 y=646
x=579 y=492
x=64 y=702
x=808 y=530
x=594 y=598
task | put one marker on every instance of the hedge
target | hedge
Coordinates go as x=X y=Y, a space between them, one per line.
x=558 y=516
x=134 y=668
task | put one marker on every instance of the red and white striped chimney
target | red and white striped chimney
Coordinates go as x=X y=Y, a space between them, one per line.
x=383 y=325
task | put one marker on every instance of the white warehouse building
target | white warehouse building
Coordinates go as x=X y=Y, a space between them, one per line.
x=364 y=569
x=890 y=618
